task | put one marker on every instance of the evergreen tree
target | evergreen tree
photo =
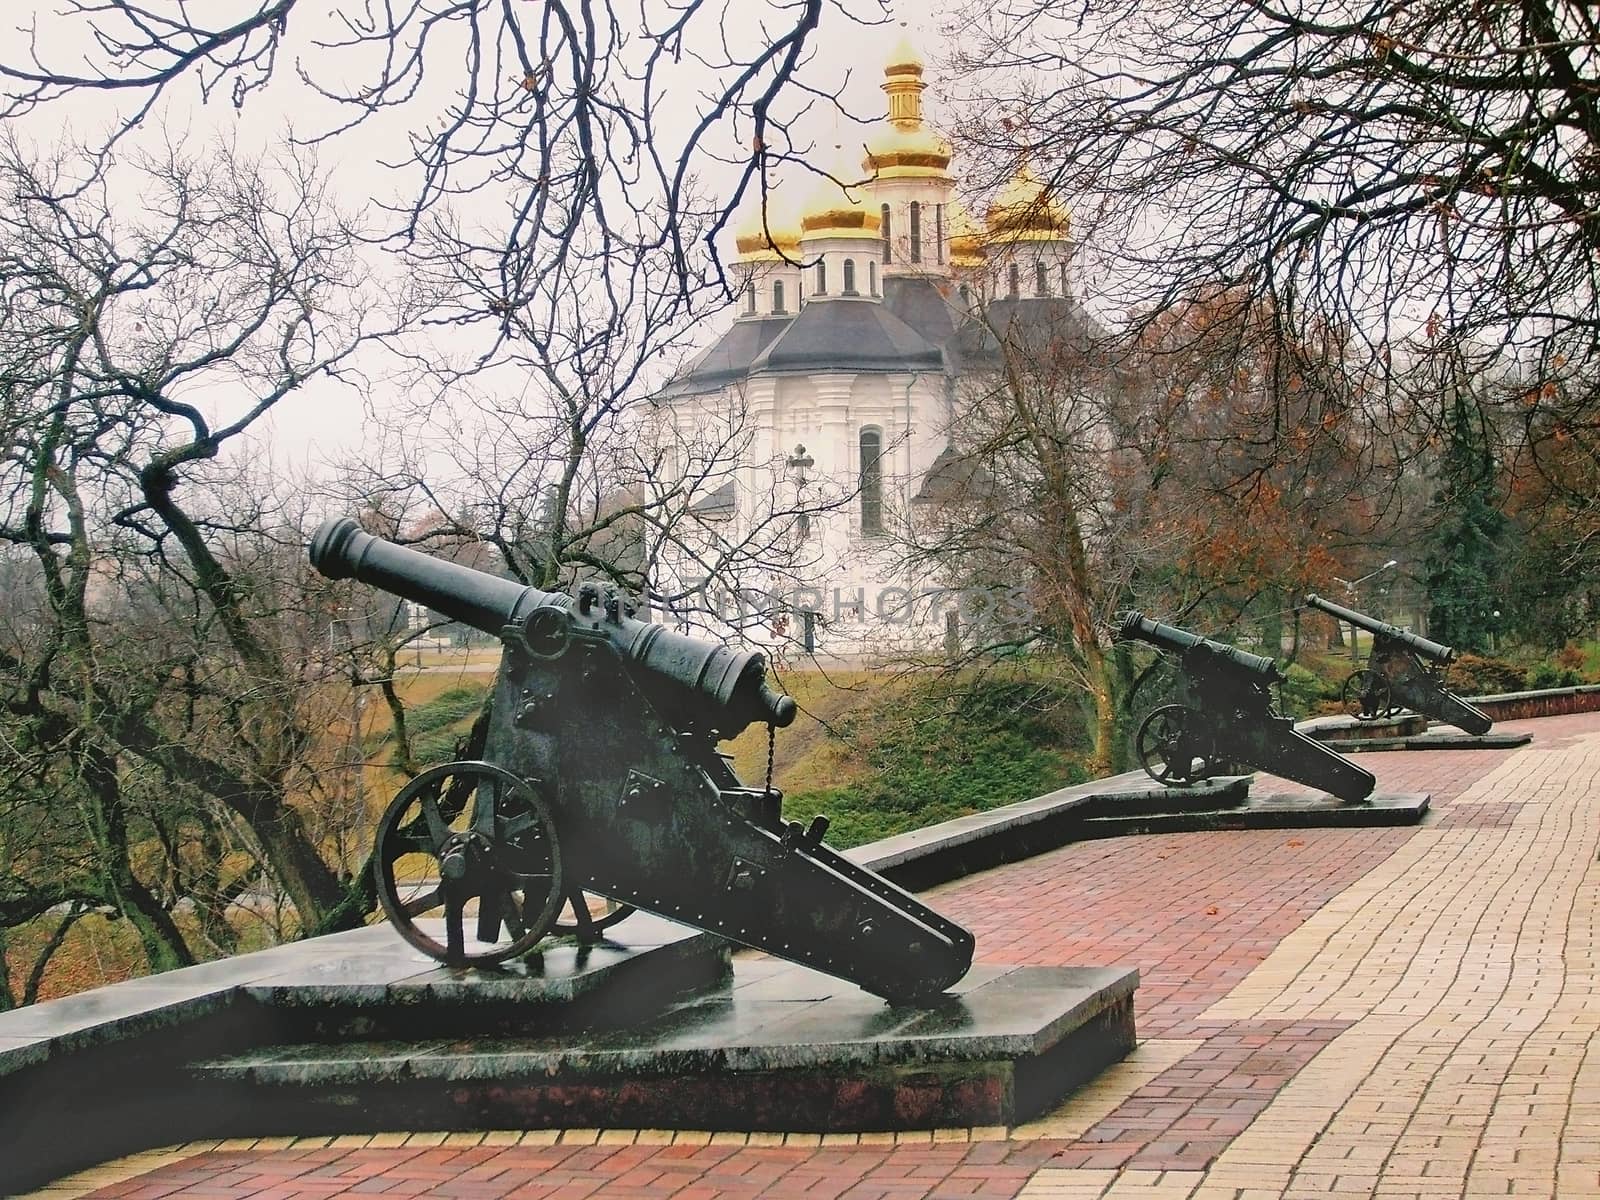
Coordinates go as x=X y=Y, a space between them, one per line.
x=1462 y=564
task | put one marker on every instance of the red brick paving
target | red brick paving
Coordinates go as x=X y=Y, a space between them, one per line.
x=1195 y=912
x=1184 y=1117
x=986 y=1170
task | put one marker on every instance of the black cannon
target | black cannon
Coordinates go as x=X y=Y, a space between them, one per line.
x=1403 y=671
x=1226 y=715
x=602 y=790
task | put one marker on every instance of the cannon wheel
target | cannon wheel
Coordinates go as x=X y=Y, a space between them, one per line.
x=1167 y=746
x=1366 y=695
x=591 y=915
x=467 y=852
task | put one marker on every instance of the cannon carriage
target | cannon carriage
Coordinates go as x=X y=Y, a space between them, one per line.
x=602 y=789
x=1403 y=671
x=1225 y=714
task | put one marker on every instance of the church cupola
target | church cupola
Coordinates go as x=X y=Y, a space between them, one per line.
x=1026 y=209
x=910 y=167
x=1028 y=242
x=908 y=149
x=839 y=241
x=766 y=275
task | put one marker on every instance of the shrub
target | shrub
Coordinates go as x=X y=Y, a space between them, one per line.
x=944 y=749
x=1476 y=675
x=1304 y=692
x=1549 y=675
x=445 y=710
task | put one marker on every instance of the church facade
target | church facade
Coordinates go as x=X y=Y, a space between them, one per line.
x=856 y=326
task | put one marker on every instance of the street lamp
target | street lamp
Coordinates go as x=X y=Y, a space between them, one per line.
x=1350 y=586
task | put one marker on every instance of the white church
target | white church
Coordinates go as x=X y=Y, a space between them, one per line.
x=854 y=331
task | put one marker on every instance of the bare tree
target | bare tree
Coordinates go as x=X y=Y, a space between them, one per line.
x=1417 y=178
x=586 y=126
x=155 y=311
x=550 y=228
x=1361 y=162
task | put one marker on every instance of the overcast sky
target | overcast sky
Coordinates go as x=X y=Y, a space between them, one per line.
x=324 y=420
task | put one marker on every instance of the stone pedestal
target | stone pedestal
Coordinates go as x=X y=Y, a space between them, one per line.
x=657 y=1027
x=1242 y=802
x=776 y=1047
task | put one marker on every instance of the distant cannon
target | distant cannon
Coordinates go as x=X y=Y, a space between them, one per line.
x=601 y=779
x=1226 y=715
x=1402 y=671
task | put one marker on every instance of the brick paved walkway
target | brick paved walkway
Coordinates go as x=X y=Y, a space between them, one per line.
x=1391 y=1012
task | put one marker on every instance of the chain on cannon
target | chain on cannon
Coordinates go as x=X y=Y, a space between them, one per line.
x=1403 y=671
x=1226 y=715
x=602 y=790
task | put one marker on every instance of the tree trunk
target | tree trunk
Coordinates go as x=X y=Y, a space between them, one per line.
x=8 y=999
x=311 y=884
x=164 y=947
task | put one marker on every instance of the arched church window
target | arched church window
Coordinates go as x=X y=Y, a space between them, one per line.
x=849 y=277
x=822 y=279
x=966 y=296
x=871 y=479
x=1014 y=282
x=888 y=243
x=1063 y=272
x=749 y=297
x=916 y=232
x=938 y=233
x=872 y=278
x=1041 y=279
x=777 y=296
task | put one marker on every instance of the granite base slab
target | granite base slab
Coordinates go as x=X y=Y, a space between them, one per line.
x=781 y=1048
x=115 y=1060
x=1343 y=728
x=1275 y=810
x=397 y=992
x=1436 y=740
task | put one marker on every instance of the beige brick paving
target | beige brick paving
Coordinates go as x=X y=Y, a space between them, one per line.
x=1467 y=962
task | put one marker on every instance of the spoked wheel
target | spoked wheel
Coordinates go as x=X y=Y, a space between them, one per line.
x=588 y=915
x=1170 y=746
x=468 y=868
x=1366 y=696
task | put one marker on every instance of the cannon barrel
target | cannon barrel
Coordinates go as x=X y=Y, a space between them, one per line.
x=1432 y=651
x=725 y=688
x=341 y=549
x=1135 y=625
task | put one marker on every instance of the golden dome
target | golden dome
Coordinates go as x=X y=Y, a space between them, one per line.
x=966 y=239
x=899 y=153
x=836 y=211
x=903 y=59
x=1026 y=211
x=768 y=237
x=908 y=148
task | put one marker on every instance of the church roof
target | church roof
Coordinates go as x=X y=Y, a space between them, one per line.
x=848 y=335
x=954 y=477
x=1040 y=325
x=716 y=506
x=917 y=301
x=729 y=357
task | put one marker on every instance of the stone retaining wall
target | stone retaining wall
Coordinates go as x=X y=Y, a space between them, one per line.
x=1546 y=702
